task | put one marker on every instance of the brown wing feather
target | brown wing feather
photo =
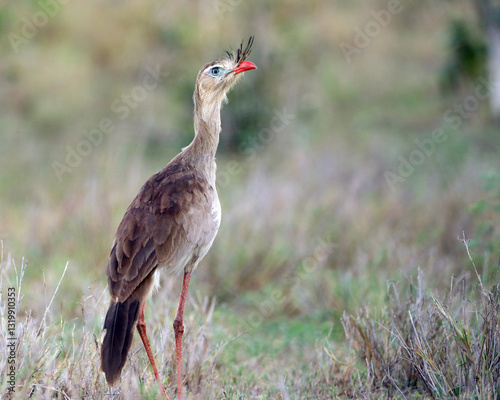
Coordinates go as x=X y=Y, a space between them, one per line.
x=165 y=223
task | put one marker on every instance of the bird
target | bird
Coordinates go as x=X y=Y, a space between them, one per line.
x=170 y=225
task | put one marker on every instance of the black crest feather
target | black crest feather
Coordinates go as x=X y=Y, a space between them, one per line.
x=241 y=55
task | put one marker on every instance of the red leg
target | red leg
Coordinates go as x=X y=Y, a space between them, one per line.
x=141 y=327
x=179 y=330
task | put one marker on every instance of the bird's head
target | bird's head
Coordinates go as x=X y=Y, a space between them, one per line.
x=217 y=77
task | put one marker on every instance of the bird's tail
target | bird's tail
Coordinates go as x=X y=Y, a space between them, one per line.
x=119 y=324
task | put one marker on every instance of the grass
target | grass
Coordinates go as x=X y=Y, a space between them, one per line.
x=424 y=346
x=324 y=281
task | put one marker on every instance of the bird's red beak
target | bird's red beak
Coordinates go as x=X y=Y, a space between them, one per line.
x=244 y=66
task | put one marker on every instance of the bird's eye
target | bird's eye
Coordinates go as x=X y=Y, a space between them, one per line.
x=216 y=71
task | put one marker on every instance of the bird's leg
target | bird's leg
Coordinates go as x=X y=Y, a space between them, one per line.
x=141 y=327
x=179 y=330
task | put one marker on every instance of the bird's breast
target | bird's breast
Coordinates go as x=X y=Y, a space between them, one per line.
x=216 y=212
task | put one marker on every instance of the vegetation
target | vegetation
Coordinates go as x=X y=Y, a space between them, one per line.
x=357 y=256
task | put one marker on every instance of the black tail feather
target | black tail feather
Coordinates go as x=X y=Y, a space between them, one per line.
x=119 y=324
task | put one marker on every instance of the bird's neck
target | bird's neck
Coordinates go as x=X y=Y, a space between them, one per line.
x=201 y=151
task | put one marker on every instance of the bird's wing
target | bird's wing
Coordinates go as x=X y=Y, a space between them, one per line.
x=168 y=220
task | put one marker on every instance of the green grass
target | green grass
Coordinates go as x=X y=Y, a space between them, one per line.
x=324 y=282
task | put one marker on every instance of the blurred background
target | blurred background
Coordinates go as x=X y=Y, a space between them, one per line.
x=363 y=148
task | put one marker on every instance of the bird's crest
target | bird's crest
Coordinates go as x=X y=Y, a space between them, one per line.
x=241 y=55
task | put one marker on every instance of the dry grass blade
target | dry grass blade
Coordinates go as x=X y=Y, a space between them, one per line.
x=466 y=244
x=47 y=308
